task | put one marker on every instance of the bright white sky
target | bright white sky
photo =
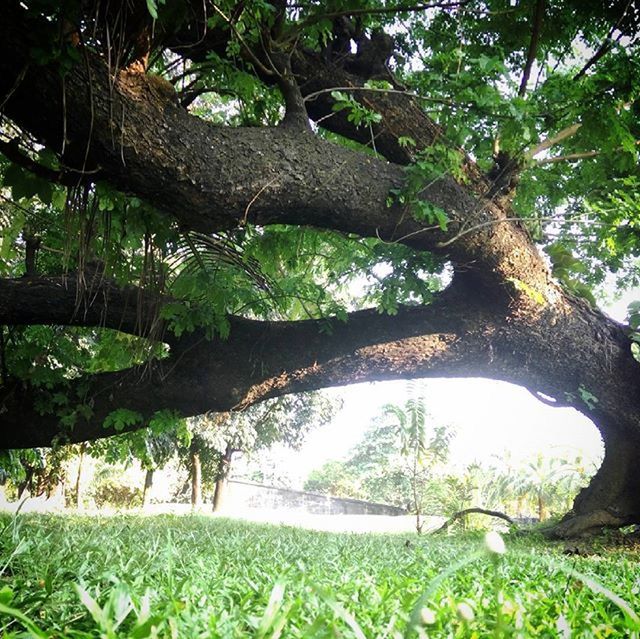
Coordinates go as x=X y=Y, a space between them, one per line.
x=489 y=418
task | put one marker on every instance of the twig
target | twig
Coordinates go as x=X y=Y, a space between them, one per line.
x=605 y=46
x=471 y=229
x=16 y=84
x=315 y=94
x=570 y=157
x=241 y=40
x=254 y=198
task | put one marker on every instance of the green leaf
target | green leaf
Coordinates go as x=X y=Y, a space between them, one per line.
x=164 y=421
x=152 y=7
x=120 y=418
x=633 y=315
x=587 y=397
x=6 y=595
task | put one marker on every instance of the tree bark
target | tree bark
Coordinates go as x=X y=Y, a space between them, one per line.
x=148 y=485
x=78 y=487
x=222 y=477
x=196 y=479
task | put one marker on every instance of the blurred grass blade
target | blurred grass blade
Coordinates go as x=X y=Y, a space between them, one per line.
x=414 y=619
x=598 y=588
x=26 y=622
x=347 y=617
x=91 y=605
x=271 y=612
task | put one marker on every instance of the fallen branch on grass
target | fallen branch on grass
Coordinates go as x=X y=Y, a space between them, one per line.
x=469 y=511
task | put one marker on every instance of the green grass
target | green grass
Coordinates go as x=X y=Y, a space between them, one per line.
x=128 y=576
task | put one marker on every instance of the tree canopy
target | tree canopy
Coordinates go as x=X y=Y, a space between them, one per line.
x=206 y=205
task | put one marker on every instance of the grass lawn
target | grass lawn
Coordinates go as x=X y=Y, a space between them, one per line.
x=189 y=576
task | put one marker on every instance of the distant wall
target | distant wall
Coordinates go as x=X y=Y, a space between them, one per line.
x=245 y=494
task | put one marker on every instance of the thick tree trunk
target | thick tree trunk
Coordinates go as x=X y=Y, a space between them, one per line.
x=219 y=495
x=612 y=498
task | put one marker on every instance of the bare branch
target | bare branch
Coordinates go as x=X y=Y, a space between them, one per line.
x=470 y=511
x=572 y=157
x=606 y=45
x=533 y=46
x=549 y=142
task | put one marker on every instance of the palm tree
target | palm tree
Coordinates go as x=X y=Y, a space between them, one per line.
x=551 y=481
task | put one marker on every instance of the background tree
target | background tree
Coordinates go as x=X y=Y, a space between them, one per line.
x=152 y=448
x=534 y=486
x=37 y=472
x=336 y=478
x=420 y=451
x=396 y=462
x=215 y=439
x=176 y=237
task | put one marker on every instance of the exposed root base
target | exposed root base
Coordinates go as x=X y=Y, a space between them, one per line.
x=585 y=525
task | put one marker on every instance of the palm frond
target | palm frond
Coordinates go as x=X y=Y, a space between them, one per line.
x=199 y=252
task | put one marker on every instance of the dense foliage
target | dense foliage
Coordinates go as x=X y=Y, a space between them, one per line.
x=396 y=462
x=535 y=487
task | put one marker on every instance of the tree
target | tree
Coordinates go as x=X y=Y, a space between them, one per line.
x=334 y=478
x=215 y=439
x=178 y=237
x=394 y=463
x=538 y=485
x=36 y=472
x=419 y=452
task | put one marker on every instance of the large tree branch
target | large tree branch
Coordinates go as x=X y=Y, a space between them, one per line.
x=261 y=360
x=462 y=334
x=98 y=302
x=213 y=178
